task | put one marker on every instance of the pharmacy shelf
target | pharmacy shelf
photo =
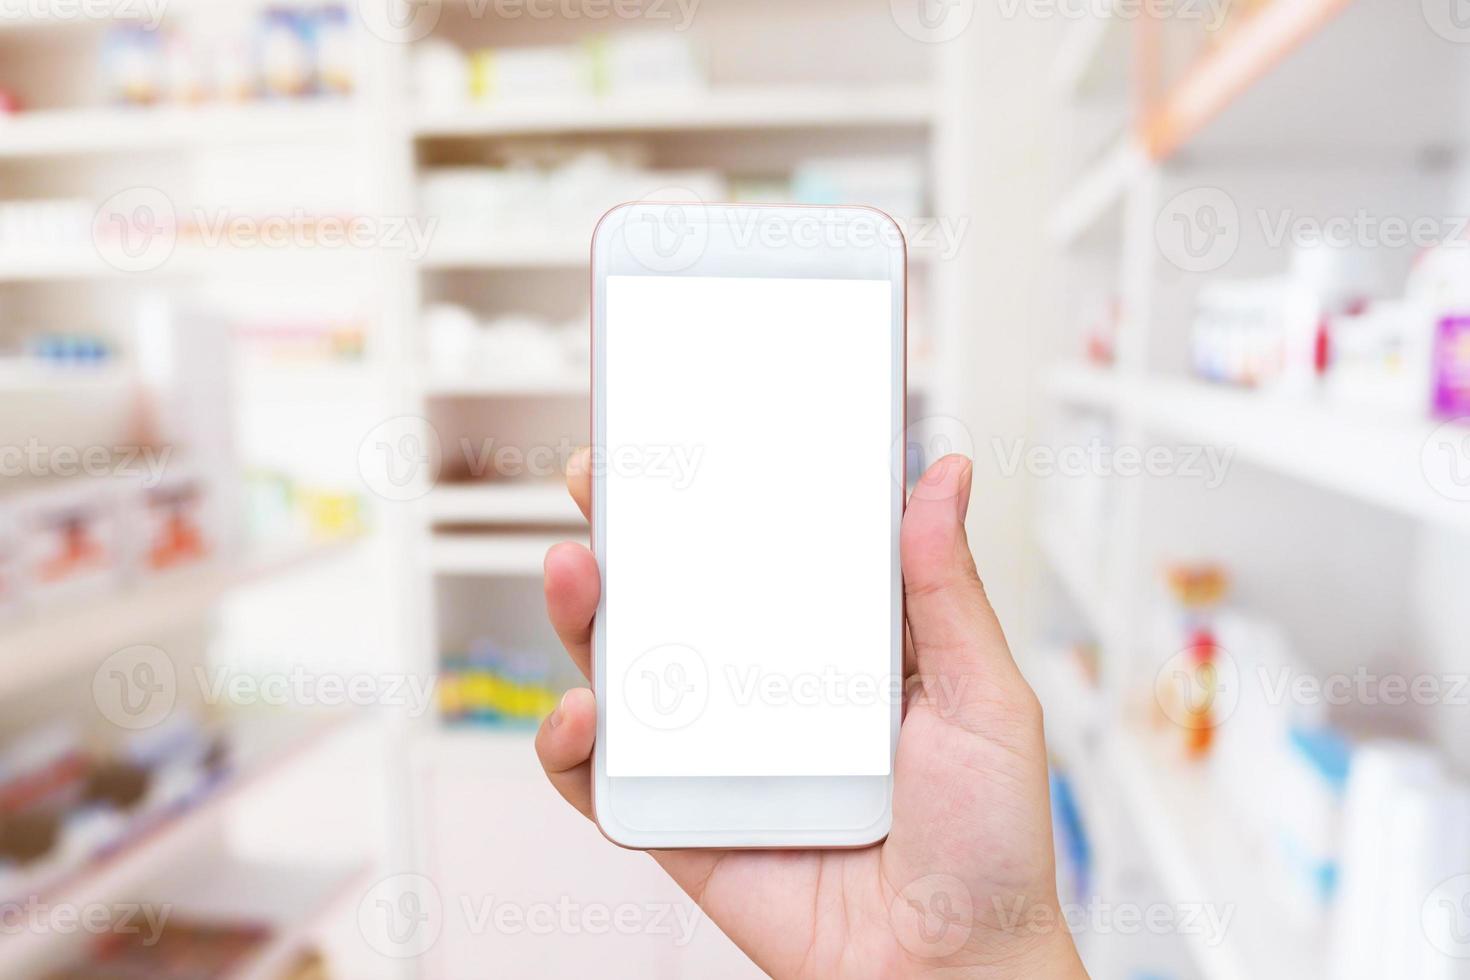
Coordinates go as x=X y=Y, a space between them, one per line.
x=1072 y=704
x=503 y=503
x=1066 y=555
x=1253 y=49
x=263 y=746
x=294 y=901
x=570 y=385
x=731 y=109
x=511 y=254
x=1083 y=385
x=32 y=375
x=1099 y=190
x=85 y=263
x=310 y=380
x=1198 y=852
x=515 y=254
x=83 y=18
x=1368 y=455
x=1371 y=456
x=113 y=130
x=494 y=555
x=47 y=642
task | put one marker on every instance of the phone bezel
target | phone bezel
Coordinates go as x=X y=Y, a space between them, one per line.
x=682 y=812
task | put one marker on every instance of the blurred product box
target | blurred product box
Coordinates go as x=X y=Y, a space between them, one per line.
x=528 y=205
x=642 y=63
x=1380 y=358
x=71 y=543
x=29 y=226
x=493 y=686
x=1323 y=330
x=184 y=949
x=550 y=71
x=508 y=347
x=173 y=524
x=622 y=65
x=278 y=53
x=64 y=803
x=894 y=185
x=1452 y=368
x=1405 y=823
x=66 y=540
x=1257 y=333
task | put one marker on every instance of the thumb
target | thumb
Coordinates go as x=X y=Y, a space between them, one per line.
x=957 y=639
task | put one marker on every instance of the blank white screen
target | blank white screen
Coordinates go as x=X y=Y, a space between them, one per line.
x=748 y=562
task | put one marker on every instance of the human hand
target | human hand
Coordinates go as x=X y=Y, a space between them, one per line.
x=965 y=883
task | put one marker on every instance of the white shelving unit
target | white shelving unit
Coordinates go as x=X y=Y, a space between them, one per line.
x=529 y=504
x=1281 y=94
x=229 y=160
x=114 y=131
x=759 y=109
x=1359 y=454
x=466 y=556
x=52 y=641
x=492 y=555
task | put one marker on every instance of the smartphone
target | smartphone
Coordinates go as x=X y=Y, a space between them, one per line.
x=748 y=481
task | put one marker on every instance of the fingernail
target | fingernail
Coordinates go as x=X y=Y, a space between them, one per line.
x=554 y=719
x=936 y=473
x=963 y=469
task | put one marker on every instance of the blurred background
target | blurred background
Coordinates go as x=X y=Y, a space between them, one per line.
x=293 y=346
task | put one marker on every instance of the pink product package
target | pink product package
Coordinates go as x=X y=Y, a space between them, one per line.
x=1452 y=368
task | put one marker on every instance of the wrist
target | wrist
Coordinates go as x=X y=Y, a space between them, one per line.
x=1036 y=947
